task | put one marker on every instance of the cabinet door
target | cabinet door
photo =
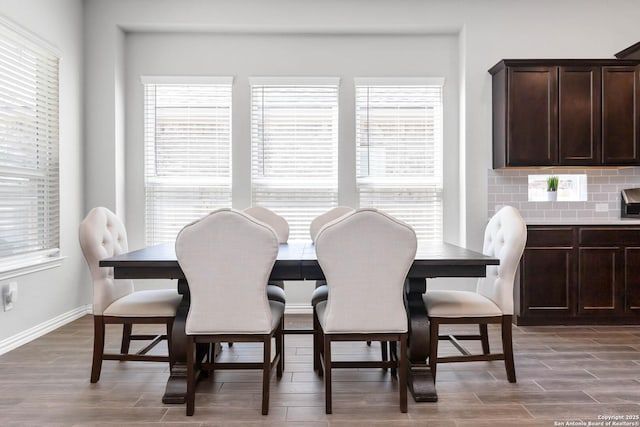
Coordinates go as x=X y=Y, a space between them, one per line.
x=532 y=109
x=620 y=116
x=547 y=278
x=632 y=280
x=579 y=115
x=599 y=281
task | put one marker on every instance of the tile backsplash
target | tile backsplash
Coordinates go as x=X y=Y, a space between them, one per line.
x=510 y=187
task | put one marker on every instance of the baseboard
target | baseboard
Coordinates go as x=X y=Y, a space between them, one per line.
x=298 y=309
x=31 y=334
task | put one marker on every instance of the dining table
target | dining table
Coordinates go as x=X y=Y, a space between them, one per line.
x=297 y=261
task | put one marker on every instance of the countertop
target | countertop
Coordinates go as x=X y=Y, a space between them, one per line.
x=578 y=221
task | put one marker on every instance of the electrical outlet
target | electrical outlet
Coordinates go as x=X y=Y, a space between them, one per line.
x=9 y=295
x=602 y=207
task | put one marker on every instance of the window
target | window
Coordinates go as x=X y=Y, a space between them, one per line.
x=399 y=150
x=187 y=152
x=571 y=188
x=294 y=143
x=29 y=205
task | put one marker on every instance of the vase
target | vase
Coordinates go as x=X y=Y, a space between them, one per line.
x=552 y=196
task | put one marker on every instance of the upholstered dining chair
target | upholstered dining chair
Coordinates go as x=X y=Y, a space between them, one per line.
x=492 y=302
x=321 y=292
x=365 y=257
x=115 y=301
x=330 y=215
x=227 y=257
x=275 y=288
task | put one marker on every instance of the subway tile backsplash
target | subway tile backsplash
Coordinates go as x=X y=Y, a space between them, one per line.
x=510 y=187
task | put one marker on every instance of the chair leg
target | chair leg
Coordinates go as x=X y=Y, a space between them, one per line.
x=126 y=338
x=507 y=348
x=316 y=343
x=280 y=349
x=327 y=373
x=403 y=368
x=169 y=342
x=384 y=353
x=484 y=338
x=321 y=367
x=393 y=355
x=98 y=348
x=191 y=376
x=433 y=346
x=266 y=374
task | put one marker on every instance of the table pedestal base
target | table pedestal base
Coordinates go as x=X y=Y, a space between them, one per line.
x=420 y=381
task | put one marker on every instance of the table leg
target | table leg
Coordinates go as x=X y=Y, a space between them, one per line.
x=420 y=380
x=176 y=389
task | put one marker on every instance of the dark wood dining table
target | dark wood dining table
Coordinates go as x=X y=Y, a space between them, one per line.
x=297 y=261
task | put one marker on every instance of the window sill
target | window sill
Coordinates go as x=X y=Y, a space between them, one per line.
x=31 y=266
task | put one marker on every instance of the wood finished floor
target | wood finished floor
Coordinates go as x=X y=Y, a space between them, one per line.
x=564 y=374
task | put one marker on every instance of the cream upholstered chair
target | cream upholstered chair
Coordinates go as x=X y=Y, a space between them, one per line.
x=330 y=215
x=102 y=235
x=365 y=257
x=275 y=221
x=492 y=302
x=275 y=288
x=227 y=257
x=321 y=291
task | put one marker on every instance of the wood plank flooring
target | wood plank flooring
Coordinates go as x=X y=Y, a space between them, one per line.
x=565 y=374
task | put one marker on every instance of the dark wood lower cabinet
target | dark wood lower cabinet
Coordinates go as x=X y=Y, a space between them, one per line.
x=632 y=279
x=579 y=275
x=599 y=281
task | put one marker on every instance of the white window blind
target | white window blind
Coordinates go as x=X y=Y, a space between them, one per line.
x=29 y=175
x=294 y=143
x=187 y=152
x=399 y=150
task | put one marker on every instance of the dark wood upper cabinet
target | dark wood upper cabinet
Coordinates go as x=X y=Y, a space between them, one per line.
x=579 y=115
x=566 y=113
x=531 y=110
x=620 y=116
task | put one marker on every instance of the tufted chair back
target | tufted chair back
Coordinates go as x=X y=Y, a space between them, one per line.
x=365 y=257
x=328 y=216
x=227 y=258
x=504 y=238
x=269 y=217
x=103 y=235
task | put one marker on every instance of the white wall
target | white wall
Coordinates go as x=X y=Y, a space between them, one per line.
x=245 y=55
x=57 y=294
x=486 y=31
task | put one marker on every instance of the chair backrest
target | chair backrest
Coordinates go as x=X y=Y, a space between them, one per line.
x=102 y=235
x=330 y=215
x=227 y=258
x=504 y=238
x=269 y=217
x=365 y=257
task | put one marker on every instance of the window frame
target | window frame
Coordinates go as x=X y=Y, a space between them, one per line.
x=299 y=217
x=429 y=185
x=154 y=183
x=44 y=62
